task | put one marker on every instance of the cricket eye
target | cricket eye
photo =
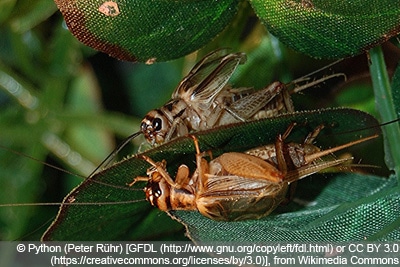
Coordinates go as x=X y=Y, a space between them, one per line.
x=157 y=124
x=144 y=126
x=153 y=192
x=158 y=194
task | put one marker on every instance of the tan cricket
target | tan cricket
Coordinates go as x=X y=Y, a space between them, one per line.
x=204 y=100
x=240 y=186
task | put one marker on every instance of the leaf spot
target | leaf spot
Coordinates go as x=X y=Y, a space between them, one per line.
x=307 y=3
x=109 y=8
x=151 y=60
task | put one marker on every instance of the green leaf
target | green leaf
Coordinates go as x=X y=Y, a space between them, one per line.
x=120 y=221
x=330 y=29
x=348 y=207
x=146 y=31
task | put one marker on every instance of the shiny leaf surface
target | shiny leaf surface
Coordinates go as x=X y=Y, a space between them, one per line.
x=146 y=31
x=330 y=29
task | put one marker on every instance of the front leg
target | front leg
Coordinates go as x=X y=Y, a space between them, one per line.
x=200 y=179
x=178 y=128
x=138 y=179
x=182 y=177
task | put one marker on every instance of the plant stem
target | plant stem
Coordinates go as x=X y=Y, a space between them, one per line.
x=385 y=107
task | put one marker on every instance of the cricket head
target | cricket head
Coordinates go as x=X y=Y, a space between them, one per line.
x=155 y=126
x=157 y=189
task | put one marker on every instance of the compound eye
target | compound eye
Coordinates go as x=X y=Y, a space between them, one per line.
x=157 y=124
x=153 y=192
x=143 y=126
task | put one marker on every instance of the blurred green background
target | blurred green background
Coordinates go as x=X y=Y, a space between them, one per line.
x=66 y=104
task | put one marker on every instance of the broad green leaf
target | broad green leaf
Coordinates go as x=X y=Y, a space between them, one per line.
x=330 y=29
x=346 y=207
x=146 y=31
x=119 y=221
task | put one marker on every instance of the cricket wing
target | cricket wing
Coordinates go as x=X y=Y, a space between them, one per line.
x=249 y=166
x=234 y=198
x=231 y=185
x=248 y=106
x=207 y=78
x=315 y=167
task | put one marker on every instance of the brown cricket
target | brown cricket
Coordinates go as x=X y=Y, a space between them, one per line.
x=240 y=186
x=204 y=100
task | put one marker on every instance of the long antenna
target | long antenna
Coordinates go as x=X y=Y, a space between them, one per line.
x=42 y=162
x=72 y=203
x=305 y=77
x=66 y=171
x=112 y=155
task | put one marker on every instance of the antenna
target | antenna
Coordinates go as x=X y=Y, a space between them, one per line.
x=112 y=155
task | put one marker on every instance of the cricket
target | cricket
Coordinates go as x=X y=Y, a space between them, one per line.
x=204 y=100
x=239 y=186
